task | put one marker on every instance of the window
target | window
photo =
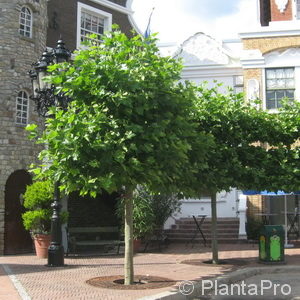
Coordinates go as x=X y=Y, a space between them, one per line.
x=25 y=22
x=22 y=104
x=91 y=21
x=238 y=84
x=90 y=24
x=298 y=9
x=280 y=83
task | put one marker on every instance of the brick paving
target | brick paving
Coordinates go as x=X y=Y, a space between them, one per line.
x=44 y=283
x=7 y=289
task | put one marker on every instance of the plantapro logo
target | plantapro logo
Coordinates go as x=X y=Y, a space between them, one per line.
x=186 y=287
x=215 y=288
x=242 y=289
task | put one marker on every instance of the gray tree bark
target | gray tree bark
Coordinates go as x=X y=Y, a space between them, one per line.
x=128 y=259
x=214 y=237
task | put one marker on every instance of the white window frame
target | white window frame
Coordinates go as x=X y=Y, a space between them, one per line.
x=296 y=3
x=238 y=84
x=31 y=21
x=94 y=11
x=22 y=108
x=278 y=89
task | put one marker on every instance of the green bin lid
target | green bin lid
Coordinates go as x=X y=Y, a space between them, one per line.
x=272 y=229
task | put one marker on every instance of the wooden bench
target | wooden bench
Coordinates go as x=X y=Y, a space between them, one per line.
x=93 y=236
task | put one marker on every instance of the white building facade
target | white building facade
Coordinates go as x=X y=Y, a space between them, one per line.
x=264 y=64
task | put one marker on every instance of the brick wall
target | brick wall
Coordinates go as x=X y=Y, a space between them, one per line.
x=286 y=15
x=120 y=2
x=255 y=204
x=63 y=21
x=92 y=212
x=269 y=44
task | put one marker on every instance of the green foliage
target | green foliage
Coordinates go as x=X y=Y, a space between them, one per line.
x=37 y=221
x=37 y=199
x=150 y=211
x=128 y=123
x=39 y=195
x=163 y=205
x=253 y=228
x=252 y=148
x=143 y=215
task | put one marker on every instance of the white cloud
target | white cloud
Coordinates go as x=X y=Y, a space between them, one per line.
x=175 y=20
x=245 y=19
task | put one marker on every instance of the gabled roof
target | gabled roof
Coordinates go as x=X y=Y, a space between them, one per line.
x=202 y=50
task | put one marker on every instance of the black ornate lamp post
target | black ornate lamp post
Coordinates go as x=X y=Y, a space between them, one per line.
x=44 y=96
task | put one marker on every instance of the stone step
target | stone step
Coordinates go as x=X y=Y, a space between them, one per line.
x=209 y=219
x=201 y=242
x=206 y=221
x=197 y=217
x=187 y=231
x=185 y=228
x=191 y=235
x=204 y=226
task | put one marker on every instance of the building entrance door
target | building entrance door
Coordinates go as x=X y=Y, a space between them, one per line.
x=16 y=238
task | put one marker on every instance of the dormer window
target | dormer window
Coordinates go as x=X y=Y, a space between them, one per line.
x=25 y=20
x=91 y=21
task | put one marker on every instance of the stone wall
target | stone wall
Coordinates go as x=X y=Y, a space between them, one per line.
x=285 y=15
x=268 y=44
x=16 y=56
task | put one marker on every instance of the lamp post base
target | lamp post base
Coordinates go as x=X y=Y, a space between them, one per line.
x=55 y=256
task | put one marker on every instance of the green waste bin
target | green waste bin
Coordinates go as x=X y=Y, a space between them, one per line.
x=271 y=244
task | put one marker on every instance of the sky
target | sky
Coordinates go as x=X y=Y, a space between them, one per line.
x=176 y=20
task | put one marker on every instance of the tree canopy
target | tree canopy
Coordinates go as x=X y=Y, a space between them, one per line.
x=252 y=148
x=132 y=121
x=128 y=122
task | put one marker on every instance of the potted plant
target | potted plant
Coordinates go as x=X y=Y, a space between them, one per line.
x=150 y=212
x=163 y=206
x=37 y=219
x=143 y=217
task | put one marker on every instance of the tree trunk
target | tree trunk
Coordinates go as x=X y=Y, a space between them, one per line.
x=214 y=238
x=128 y=263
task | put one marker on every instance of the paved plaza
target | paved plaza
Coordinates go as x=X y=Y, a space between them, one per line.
x=27 y=277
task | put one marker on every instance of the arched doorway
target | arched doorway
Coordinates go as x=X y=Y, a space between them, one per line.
x=16 y=238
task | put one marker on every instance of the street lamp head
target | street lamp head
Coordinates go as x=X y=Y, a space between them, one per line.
x=60 y=53
x=35 y=84
x=41 y=69
x=44 y=62
x=44 y=93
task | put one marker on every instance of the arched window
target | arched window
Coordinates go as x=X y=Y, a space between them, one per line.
x=22 y=103
x=26 y=22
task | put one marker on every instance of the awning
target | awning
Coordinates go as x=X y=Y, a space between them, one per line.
x=267 y=193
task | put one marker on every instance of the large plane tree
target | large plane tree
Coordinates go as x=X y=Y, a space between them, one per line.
x=128 y=124
x=252 y=148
